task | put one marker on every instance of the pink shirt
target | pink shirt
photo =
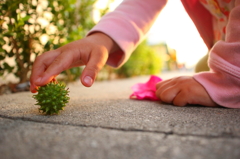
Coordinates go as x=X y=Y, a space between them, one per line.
x=129 y=23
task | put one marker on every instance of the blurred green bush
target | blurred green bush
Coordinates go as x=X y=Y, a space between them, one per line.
x=31 y=27
x=143 y=61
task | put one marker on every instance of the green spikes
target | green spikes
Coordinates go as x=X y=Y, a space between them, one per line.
x=52 y=98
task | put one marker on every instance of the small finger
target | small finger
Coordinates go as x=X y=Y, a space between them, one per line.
x=168 y=94
x=162 y=86
x=162 y=83
x=181 y=99
x=96 y=61
x=62 y=62
x=40 y=65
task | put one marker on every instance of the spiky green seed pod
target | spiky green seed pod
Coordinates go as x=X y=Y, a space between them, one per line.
x=52 y=97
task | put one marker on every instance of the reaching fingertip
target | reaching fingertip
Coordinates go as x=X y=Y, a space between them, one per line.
x=33 y=89
x=87 y=81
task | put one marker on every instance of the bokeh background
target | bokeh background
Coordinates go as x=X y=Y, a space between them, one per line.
x=29 y=28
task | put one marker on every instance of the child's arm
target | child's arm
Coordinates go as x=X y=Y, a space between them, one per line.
x=221 y=84
x=91 y=51
x=126 y=26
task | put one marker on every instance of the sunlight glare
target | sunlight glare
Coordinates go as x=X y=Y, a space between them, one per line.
x=175 y=27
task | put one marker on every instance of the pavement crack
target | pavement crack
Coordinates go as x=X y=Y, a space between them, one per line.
x=166 y=133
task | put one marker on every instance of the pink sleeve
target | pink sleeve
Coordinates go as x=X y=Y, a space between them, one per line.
x=223 y=81
x=127 y=26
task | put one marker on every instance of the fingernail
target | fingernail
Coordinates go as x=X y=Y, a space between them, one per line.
x=88 y=80
x=32 y=88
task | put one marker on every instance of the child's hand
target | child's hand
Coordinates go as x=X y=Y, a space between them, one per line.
x=184 y=90
x=91 y=51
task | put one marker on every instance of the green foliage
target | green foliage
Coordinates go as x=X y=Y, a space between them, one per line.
x=143 y=61
x=52 y=98
x=24 y=24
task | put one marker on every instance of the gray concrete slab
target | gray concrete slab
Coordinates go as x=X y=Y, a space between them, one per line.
x=31 y=140
x=102 y=122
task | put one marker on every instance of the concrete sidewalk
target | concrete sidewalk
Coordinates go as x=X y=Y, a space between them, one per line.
x=103 y=123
